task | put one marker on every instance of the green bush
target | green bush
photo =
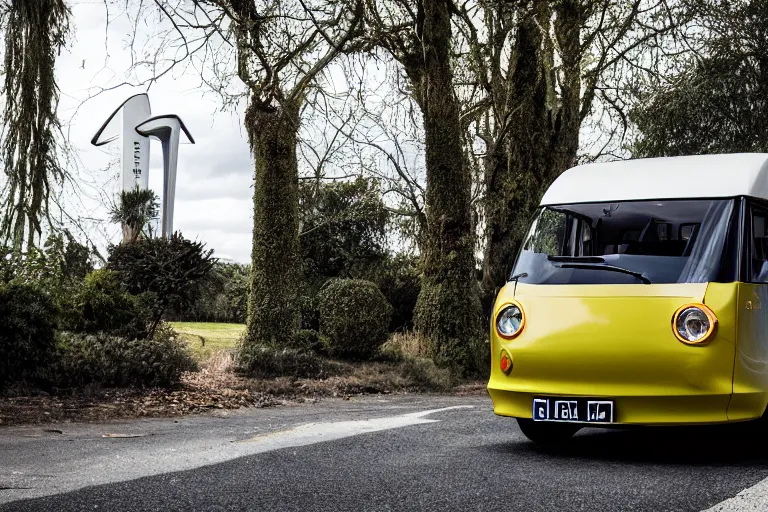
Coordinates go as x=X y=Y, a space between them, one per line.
x=61 y=261
x=101 y=305
x=224 y=298
x=309 y=340
x=307 y=301
x=263 y=361
x=112 y=361
x=27 y=326
x=354 y=315
x=172 y=273
x=399 y=280
x=344 y=228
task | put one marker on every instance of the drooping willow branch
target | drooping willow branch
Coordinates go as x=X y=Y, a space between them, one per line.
x=35 y=32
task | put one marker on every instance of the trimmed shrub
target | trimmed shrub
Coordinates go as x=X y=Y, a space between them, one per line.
x=354 y=315
x=263 y=361
x=112 y=361
x=27 y=324
x=101 y=305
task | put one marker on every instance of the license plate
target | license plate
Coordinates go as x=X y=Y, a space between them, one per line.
x=582 y=410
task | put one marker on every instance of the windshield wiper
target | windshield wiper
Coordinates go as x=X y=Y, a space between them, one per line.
x=577 y=259
x=515 y=279
x=605 y=266
x=517 y=276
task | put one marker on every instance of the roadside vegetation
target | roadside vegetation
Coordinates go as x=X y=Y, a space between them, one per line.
x=114 y=336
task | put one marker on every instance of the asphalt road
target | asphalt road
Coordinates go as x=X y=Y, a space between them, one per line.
x=374 y=454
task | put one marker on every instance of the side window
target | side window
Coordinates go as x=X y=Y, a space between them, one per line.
x=549 y=233
x=579 y=242
x=759 y=246
x=557 y=233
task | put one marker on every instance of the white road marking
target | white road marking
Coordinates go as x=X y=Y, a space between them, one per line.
x=311 y=433
x=155 y=458
x=753 y=498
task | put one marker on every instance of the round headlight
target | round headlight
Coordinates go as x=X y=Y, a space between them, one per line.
x=694 y=324
x=510 y=321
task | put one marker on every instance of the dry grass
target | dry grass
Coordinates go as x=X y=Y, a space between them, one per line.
x=222 y=361
x=408 y=344
x=362 y=378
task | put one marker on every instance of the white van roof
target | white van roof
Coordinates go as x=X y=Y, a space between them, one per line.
x=701 y=176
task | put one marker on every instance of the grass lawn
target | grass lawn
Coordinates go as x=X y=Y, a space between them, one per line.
x=207 y=338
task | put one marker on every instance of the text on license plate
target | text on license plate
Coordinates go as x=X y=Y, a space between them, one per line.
x=573 y=409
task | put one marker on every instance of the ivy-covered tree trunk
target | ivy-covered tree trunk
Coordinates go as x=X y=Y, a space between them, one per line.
x=448 y=308
x=542 y=137
x=273 y=315
x=35 y=31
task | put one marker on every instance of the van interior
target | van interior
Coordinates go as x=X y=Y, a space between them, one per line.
x=659 y=228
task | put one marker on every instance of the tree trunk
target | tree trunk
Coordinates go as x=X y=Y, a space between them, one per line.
x=34 y=32
x=541 y=141
x=130 y=234
x=448 y=307
x=273 y=316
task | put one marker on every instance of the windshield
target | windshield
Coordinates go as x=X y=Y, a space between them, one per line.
x=674 y=241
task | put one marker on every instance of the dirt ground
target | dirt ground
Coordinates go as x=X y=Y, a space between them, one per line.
x=214 y=387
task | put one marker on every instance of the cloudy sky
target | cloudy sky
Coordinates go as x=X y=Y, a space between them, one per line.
x=214 y=184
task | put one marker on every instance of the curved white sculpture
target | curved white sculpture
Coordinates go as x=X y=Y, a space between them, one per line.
x=134 y=126
x=134 y=157
x=167 y=129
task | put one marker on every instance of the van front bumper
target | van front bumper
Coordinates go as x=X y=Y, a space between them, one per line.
x=648 y=410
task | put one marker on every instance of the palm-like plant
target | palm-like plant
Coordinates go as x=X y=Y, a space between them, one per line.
x=134 y=210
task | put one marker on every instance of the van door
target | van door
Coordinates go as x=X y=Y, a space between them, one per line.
x=750 y=377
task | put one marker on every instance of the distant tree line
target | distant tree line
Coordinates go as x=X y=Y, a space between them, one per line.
x=222 y=298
